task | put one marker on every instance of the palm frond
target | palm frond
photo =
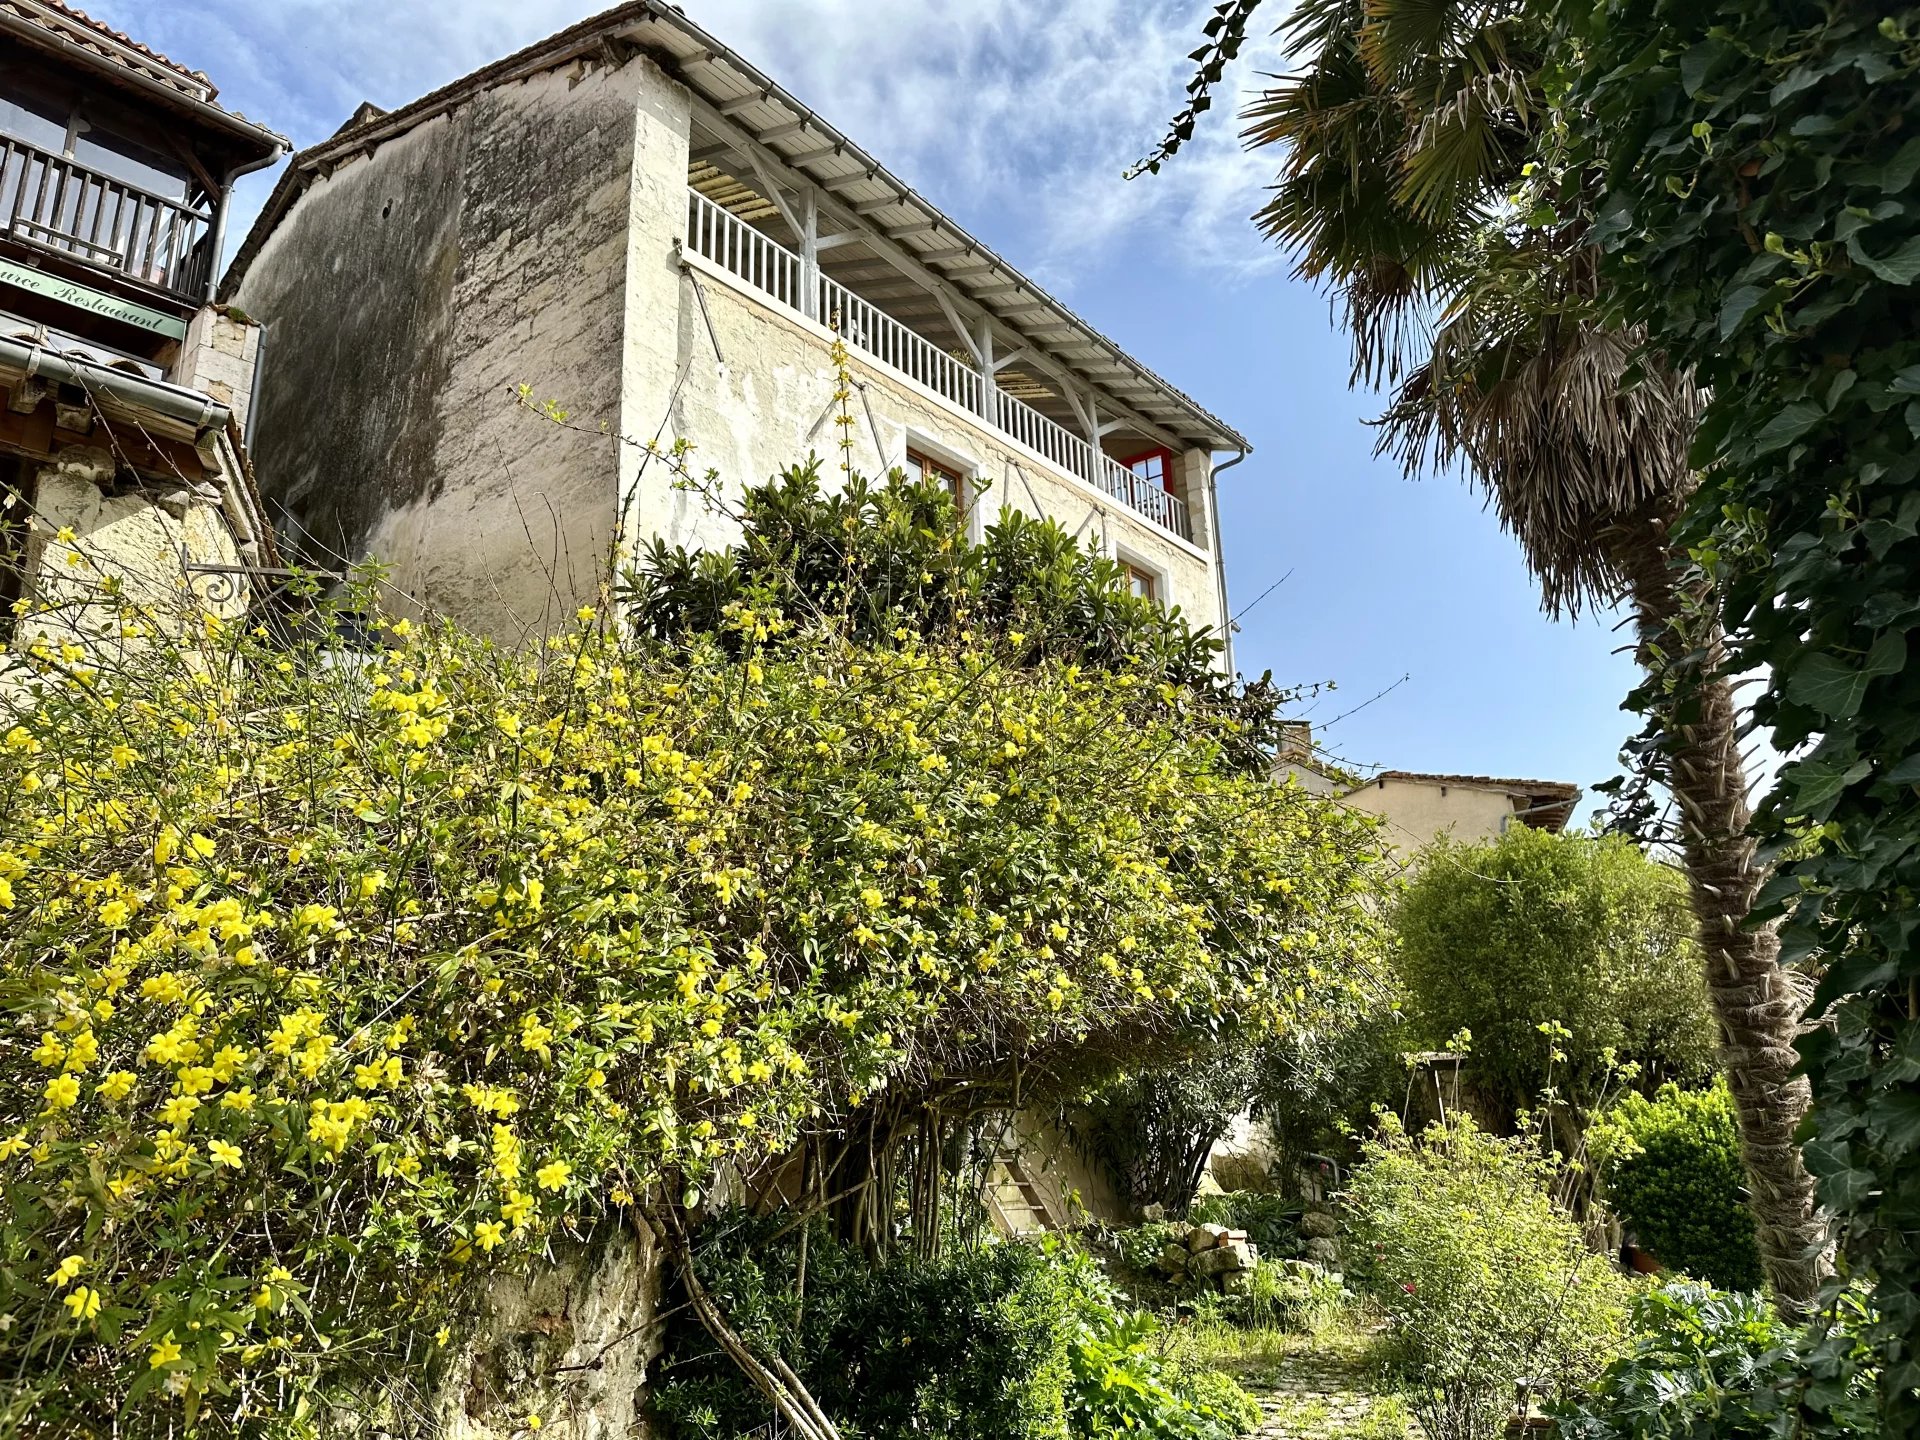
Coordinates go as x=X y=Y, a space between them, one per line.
x=1568 y=425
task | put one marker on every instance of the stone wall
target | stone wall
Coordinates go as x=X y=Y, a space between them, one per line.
x=562 y=1352
x=407 y=295
x=135 y=535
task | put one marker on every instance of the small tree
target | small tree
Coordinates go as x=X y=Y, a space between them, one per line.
x=1571 y=932
x=1153 y=1129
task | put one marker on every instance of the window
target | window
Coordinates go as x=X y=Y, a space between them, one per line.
x=1143 y=583
x=28 y=114
x=1154 y=466
x=928 y=471
x=120 y=157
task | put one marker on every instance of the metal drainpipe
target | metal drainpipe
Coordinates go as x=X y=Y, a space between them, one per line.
x=214 y=258
x=253 y=394
x=1220 y=554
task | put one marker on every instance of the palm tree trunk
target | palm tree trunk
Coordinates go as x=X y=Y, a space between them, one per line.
x=1758 y=1006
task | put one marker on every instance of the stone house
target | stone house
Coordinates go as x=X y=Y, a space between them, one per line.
x=126 y=388
x=649 y=232
x=1419 y=808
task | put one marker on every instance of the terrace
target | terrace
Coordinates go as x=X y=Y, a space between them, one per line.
x=918 y=333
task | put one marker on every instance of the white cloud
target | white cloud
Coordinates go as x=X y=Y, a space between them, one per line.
x=999 y=110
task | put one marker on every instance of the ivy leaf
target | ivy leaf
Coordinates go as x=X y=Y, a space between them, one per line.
x=1834 y=688
x=1841 y=1185
x=1698 y=62
x=1897 y=1114
x=1897 y=174
x=1738 y=305
x=1788 y=426
x=1902 y=267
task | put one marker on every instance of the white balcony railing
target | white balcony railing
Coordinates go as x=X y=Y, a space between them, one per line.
x=746 y=253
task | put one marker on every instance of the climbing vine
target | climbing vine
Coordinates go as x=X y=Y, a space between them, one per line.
x=1761 y=219
x=335 y=979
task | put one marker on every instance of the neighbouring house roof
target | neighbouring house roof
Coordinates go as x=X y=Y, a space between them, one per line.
x=1548 y=803
x=810 y=147
x=56 y=26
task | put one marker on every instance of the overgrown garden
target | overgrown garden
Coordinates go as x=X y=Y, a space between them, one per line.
x=1644 y=272
x=342 y=978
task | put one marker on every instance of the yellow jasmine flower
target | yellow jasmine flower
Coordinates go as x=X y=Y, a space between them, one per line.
x=553 y=1175
x=165 y=1353
x=489 y=1234
x=221 y=1153
x=61 y=1092
x=64 y=1272
x=177 y=1113
x=83 y=1301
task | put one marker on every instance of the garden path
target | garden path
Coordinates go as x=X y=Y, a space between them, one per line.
x=1328 y=1389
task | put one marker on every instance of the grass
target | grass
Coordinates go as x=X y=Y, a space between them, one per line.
x=1386 y=1418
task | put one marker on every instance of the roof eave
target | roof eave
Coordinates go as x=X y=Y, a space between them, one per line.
x=633 y=21
x=265 y=143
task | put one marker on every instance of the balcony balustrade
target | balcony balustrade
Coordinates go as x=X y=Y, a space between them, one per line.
x=55 y=204
x=768 y=266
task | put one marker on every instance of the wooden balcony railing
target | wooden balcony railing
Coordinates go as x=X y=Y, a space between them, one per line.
x=764 y=263
x=56 y=204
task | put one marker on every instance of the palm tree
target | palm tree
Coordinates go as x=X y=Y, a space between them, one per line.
x=1409 y=129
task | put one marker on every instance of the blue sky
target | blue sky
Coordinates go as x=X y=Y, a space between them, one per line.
x=1018 y=120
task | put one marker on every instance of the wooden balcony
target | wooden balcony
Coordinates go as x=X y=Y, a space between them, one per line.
x=67 y=211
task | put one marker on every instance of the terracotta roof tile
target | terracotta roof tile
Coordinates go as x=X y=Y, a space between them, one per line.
x=116 y=47
x=197 y=83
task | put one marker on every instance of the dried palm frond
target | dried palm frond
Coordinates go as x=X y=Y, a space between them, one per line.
x=1567 y=425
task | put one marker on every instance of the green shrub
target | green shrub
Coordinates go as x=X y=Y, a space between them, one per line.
x=1706 y=1365
x=1485 y=1279
x=1152 y=1129
x=1671 y=1170
x=1125 y=1384
x=1532 y=929
x=1139 y=1246
x=974 y=1344
x=1318 y=1084
x=1009 y=1342
x=1281 y=1296
x=1271 y=1221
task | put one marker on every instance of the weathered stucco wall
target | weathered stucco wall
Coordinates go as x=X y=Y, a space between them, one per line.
x=1418 y=812
x=407 y=295
x=529 y=237
x=769 y=400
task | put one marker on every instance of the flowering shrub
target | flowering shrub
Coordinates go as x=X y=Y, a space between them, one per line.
x=1486 y=1280
x=333 y=981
